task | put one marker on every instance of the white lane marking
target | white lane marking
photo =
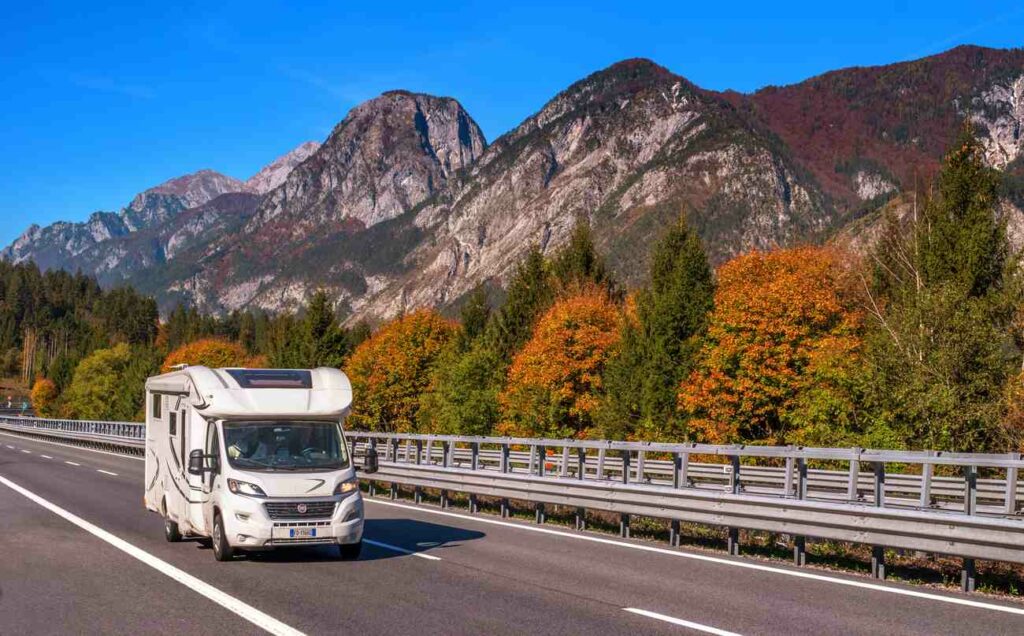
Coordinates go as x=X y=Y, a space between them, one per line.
x=710 y=559
x=106 y=472
x=678 y=621
x=395 y=548
x=26 y=451
x=9 y=446
x=71 y=463
x=91 y=450
x=46 y=457
x=225 y=600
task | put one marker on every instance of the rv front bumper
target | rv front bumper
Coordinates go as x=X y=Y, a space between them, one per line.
x=276 y=522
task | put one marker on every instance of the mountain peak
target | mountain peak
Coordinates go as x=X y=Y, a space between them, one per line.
x=275 y=173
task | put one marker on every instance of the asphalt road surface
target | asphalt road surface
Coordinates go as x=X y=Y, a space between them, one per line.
x=79 y=554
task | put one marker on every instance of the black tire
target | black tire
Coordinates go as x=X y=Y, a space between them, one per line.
x=350 y=551
x=222 y=550
x=171 y=531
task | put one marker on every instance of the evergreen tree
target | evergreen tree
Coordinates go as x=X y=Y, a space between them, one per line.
x=941 y=347
x=577 y=264
x=323 y=342
x=657 y=348
x=530 y=292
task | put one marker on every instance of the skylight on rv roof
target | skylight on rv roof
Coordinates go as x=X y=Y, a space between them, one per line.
x=272 y=378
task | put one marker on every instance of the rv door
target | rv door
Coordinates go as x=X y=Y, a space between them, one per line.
x=212 y=462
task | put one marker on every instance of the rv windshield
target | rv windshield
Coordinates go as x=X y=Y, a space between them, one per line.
x=285 y=445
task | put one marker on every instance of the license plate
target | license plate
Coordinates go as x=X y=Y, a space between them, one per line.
x=299 y=533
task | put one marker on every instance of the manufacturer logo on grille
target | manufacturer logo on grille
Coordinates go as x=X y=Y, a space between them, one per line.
x=301 y=509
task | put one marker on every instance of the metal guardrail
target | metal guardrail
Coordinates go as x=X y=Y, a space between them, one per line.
x=127 y=436
x=926 y=501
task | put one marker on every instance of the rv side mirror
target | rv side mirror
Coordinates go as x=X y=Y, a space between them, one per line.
x=370 y=461
x=195 y=462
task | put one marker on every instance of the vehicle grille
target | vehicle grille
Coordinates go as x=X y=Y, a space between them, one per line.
x=290 y=509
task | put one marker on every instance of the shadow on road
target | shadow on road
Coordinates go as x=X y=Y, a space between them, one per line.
x=408 y=534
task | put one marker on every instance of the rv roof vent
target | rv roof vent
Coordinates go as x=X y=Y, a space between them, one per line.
x=179 y=367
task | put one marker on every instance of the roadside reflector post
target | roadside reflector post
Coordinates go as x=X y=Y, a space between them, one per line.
x=624 y=526
x=394 y=490
x=474 y=464
x=927 y=470
x=506 y=467
x=581 y=518
x=968 y=576
x=539 y=512
x=1011 y=487
x=800 y=542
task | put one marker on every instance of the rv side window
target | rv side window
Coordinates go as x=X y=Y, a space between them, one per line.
x=172 y=423
x=157 y=399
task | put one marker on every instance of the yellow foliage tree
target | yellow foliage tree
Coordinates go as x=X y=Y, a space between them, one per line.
x=781 y=353
x=554 y=383
x=391 y=370
x=211 y=352
x=44 y=397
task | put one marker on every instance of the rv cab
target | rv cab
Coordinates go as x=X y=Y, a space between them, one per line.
x=253 y=459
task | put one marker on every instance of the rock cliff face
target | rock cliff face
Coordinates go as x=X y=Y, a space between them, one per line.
x=404 y=205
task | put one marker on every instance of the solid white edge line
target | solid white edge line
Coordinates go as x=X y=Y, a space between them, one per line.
x=71 y=463
x=26 y=451
x=225 y=600
x=711 y=559
x=395 y=548
x=91 y=450
x=678 y=621
x=106 y=472
x=9 y=446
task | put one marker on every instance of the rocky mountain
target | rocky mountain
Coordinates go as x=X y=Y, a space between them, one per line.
x=388 y=155
x=114 y=245
x=274 y=173
x=405 y=205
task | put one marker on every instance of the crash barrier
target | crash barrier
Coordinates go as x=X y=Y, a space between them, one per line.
x=958 y=504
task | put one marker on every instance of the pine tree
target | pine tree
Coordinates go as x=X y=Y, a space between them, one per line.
x=941 y=347
x=657 y=348
x=578 y=264
x=530 y=292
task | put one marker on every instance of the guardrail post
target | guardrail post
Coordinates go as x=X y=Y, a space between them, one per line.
x=581 y=463
x=787 y=485
x=968 y=576
x=878 y=562
x=625 y=466
x=879 y=484
x=542 y=454
x=640 y=456
x=677 y=469
x=600 y=463
x=734 y=478
x=564 y=472
x=531 y=466
x=684 y=471
x=970 y=489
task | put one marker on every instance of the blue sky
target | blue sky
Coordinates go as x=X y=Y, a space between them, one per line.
x=101 y=102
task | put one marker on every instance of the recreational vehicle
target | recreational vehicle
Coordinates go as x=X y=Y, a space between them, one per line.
x=253 y=459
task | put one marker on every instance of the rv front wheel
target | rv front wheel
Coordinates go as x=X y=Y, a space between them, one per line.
x=350 y=551
x=222 y=550
x=171 y=531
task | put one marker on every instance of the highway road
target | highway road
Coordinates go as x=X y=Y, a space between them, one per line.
x=80 y=554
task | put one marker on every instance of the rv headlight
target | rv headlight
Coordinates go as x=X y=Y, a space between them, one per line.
x=347 y=487
x=245 y=488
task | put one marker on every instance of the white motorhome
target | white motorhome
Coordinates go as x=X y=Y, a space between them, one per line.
x=253 y=459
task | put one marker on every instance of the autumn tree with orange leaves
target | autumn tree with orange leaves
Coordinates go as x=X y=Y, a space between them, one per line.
x=554 y=382
x=779 y=363
x=391 y=370
x=211 y=352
